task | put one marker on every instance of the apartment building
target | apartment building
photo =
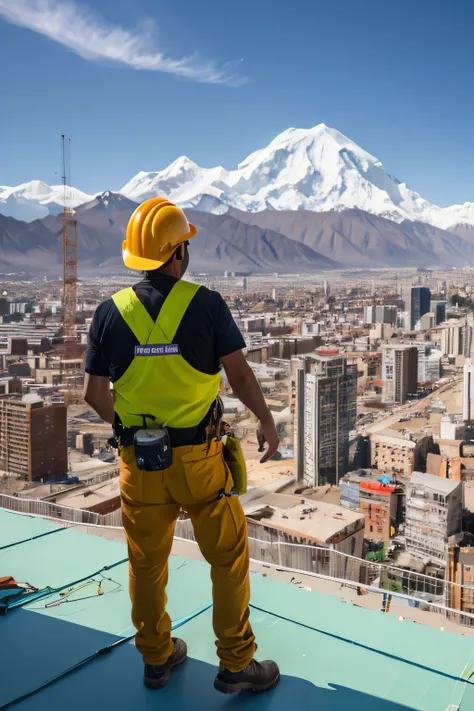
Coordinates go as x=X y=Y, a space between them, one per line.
x=325 y=414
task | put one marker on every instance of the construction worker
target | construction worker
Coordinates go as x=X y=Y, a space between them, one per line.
x=161 y=343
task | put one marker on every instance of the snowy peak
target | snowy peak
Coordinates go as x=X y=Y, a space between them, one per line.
x=36 y=199
x=317 y=169
x=315 y=141
x=109 y=202
x=183 y=181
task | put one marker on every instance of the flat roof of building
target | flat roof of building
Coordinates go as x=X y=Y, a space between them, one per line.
x=434 y=482
x=332 y=653
x=84 y=498
x=305 y=518
x=393 y=437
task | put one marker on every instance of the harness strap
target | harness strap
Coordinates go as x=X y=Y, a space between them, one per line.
x=171 y=313
x=134 y=314
x=173 y=310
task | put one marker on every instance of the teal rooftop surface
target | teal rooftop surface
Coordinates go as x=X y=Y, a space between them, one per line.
x=332 y=655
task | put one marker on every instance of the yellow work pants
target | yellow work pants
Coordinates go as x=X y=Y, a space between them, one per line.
x=151 y=502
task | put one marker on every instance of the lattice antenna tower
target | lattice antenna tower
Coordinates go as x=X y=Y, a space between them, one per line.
x=69 y=263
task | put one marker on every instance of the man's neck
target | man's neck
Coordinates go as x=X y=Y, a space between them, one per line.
x=163 y=272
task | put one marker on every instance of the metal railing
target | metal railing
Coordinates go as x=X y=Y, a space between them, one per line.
x=410 y=600
x=423 y=590
x=100 y=477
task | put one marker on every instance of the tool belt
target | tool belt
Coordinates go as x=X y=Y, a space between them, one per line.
x=178 y=437
x=154 y=457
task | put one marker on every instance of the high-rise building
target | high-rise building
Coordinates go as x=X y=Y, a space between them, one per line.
x=380 y=314
x=369 y=314
x=399 y=372
x=325 y=414
x=433 y=515
x=429 y=363
x=21 y=307
x=456 y=337
x=439 y=310
x=417 y=303
x=33 y=438
x=4 y=306
x=468 y=392
x=386 y=314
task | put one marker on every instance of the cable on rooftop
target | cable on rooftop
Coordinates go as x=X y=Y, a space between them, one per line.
x=359 y=644
x=95 y=655
x=32 y=538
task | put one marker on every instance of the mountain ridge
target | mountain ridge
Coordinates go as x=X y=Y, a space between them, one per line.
x=261 y=242
x=224 y=243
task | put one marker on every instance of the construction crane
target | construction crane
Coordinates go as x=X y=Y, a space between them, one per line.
x=71 y=374
x=69 y=267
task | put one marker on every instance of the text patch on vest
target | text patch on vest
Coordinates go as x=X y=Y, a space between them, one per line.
x=157 y=349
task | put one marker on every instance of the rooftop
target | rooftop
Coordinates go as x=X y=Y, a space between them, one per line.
x=85 y=498
x=434 y=482
x=333 y=654
x=313 y=520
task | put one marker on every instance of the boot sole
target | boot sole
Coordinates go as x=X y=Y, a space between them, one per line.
x=160 y=683
x=245 y=686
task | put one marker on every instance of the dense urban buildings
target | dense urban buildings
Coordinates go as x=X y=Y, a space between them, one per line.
x=365 y=405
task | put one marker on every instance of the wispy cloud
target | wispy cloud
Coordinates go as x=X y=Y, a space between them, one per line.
x=90 y=36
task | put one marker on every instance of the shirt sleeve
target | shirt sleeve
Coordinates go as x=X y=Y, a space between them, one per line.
x=228 y=336
x=95 y=363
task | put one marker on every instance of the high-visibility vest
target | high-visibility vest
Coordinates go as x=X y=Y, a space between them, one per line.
x=159 y=381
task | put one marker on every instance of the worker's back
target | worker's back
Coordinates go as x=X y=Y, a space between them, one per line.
x=160 y=344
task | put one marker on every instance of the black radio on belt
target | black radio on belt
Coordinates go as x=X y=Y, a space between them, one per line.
x=153 y=451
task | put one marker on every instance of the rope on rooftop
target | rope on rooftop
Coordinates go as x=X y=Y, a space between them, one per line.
x=47 y=591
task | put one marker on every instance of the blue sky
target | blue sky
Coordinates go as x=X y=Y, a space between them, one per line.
x=223 y=78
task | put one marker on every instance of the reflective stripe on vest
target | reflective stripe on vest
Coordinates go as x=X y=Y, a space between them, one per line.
x=167 y=387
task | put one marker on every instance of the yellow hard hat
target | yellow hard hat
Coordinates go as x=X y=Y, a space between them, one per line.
x=156 y=228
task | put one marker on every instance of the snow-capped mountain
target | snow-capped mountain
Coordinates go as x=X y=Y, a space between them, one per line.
x=183 y=181
x=316 y=169
x=35 y=199
x=108 y=202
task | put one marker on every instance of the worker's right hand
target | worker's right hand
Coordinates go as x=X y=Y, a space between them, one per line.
x=267 y=433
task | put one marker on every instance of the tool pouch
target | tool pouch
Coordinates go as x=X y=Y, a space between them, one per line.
x=153 y=451
x=234 y=458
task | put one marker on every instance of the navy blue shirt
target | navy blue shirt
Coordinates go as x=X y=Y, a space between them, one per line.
x=206 y=333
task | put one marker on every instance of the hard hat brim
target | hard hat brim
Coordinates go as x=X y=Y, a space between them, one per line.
x=136 y=263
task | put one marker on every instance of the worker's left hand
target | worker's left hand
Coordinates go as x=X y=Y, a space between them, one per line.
x=267 y=433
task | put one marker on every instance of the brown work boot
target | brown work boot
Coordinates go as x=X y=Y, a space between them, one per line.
x=157 y=677
x=257 y=676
